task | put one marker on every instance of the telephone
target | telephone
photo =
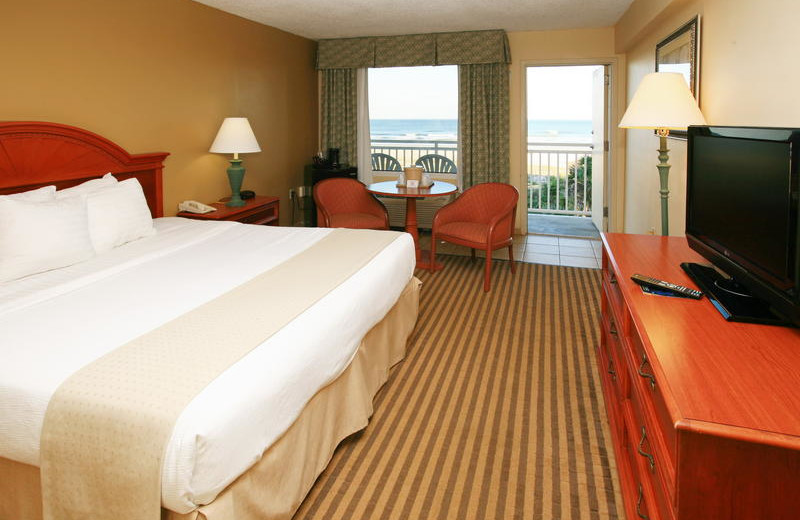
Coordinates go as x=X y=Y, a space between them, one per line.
x=192 y=206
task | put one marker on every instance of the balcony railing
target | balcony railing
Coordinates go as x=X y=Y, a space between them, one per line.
x=408 y=151
x=559 y=174
x=560 y=178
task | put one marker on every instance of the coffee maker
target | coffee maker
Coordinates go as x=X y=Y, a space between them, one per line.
x=333 y=158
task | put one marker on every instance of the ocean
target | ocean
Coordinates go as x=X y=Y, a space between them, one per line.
x=539 y=130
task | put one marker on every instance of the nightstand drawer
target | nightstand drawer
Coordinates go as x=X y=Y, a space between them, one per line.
x=264 y=217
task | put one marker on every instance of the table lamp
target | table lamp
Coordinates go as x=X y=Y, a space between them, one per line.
x=663 y=102
x=235 y=136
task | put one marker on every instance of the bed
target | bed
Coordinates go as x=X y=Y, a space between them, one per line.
x=252 y=440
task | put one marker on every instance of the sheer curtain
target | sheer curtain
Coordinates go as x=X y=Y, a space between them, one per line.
x=364 y=145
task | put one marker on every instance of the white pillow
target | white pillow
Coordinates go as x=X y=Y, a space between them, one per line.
x=38 y=195
x=40 y=236
x=88 y=187
x=118 y=214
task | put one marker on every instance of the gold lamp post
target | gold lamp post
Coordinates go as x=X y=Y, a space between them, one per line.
x=235 y=136
x=663 y=102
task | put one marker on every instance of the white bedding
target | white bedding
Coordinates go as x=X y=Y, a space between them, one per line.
x=54 y=323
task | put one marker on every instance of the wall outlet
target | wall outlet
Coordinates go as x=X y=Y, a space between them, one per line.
x=652 y=231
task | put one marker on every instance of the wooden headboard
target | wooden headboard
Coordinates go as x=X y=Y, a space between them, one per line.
x=34 y=154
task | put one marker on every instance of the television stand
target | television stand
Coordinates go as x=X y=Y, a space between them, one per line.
x=703 y=413
x=732 y=300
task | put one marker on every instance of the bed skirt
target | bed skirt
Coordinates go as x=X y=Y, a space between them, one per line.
x=276 y=485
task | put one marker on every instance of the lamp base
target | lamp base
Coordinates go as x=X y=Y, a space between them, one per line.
x=663 y=175
x=235 y=178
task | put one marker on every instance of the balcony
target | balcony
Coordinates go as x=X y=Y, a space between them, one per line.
x=559 y=174
x=559 y=180
x=408 y=151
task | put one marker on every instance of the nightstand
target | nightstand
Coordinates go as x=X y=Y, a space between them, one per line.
x=258 y=210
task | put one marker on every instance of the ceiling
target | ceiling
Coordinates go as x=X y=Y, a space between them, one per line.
x=317 y=19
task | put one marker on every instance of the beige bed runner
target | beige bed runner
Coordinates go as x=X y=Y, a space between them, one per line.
x=107 y=426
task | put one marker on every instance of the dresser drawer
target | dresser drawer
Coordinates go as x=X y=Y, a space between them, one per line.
x=615 y=362
x=646 y=457
x=616 y=304
x=608 y=372
x=653 y=404
x=648 y=444
x=645 y=501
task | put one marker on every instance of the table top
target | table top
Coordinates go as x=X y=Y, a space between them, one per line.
x=391 y=189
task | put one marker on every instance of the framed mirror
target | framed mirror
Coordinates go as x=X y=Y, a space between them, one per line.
x=680 y=52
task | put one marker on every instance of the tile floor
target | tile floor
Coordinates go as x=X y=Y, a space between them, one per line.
x=571 y=252
x=537 y=249
x=562 y=226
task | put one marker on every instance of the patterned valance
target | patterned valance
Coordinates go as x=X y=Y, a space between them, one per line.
x=458 y=48
x=346 y=53
x=414 y=50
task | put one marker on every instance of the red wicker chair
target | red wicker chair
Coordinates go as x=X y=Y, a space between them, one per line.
x=346 y=203
x=481 y=218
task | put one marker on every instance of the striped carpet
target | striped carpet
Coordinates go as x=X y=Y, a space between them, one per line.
x=496 y=412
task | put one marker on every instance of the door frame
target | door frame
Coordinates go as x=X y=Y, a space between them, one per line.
x=614 y=180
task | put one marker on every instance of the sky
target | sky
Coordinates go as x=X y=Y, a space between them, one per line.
x=560 y=92
x=432 y=92
x=413 y=93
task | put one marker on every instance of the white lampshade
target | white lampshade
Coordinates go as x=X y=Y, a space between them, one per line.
x=663 y=100
x=235 y=136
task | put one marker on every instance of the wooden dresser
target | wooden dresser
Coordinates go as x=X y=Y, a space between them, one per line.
x=704 y=414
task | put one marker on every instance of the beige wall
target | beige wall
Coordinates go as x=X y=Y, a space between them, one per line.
x=747 y=77
x=160 y=75
x=580 y=46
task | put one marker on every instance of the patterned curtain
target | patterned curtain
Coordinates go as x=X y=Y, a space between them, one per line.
x=459 y=48
x=339 y=113
x=483 y=123
x=482 y=58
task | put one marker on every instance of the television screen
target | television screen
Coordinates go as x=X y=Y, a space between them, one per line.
x=740 y=203
x=742 y=208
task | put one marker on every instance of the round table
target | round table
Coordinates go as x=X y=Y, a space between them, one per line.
x=391 y=189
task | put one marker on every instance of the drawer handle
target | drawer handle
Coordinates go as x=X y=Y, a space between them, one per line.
x=644 y=374
x=643 y=453
x=612 y=329
x=639 y=505
x=612 y=279
x=611 y=370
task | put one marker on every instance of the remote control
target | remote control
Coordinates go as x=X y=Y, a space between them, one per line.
x=680 y=290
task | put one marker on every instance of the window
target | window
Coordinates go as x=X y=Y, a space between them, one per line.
x=413 y=112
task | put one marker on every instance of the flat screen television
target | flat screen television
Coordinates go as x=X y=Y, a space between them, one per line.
x=743 y=215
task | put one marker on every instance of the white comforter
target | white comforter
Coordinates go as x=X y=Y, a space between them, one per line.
x=54 y=323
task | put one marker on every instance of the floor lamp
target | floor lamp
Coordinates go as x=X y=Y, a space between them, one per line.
x=663 y=102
